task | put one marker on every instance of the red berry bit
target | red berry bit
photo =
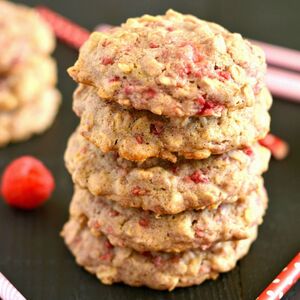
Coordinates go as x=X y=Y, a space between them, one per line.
x=210 y=108
x=149 y=93
x=156 y=128
x=108 y=245
x=107 y=61
x=139 y=138
x=201 y=100
x=128 y=90
x=106 y=257
x=96 y=225
x=198 y=177
x=158 y=261
x=137 y=191
x=277 y=146
x=153 y=45
x=144 y=222
x=248 y=151
x=26 y=183
x=199 y=233
x=224 y=75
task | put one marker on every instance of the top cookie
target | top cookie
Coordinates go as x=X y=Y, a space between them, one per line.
x=22 y=33
x=174 y=65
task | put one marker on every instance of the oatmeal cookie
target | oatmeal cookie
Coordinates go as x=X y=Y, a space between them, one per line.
x=164 y=187
x=22 y=33
x=144 y=231
x=174 y=65
x=157 y=270
x=138 y=135
x=26 y=81
x=30 y=119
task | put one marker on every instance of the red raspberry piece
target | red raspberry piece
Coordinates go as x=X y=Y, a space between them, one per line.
x=106 y=257
x=209 y=108
x=201 y=100
x=95 y=225
x=26 y=183
x=144 y=222
x=199 y=233
x=139 y=138
x=158 y=261
x=107 y=61
x=137 y=191
x=248 y=151
x=198 y=177
x=153 y=45
x=224 y=75
x=128 y=89
x=149 y=93
x=108 y=245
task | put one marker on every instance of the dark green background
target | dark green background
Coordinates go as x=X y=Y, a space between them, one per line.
x=33 y=256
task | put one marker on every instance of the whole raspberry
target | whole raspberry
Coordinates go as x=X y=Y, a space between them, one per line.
x=26 y=183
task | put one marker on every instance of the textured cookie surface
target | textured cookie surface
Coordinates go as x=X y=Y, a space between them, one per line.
x=161 y=186
x=138 y=135
x=153 y=269
x=22 y=33
x=143 y=231
x=26 y=81
x=173 y=65
x=31 y=118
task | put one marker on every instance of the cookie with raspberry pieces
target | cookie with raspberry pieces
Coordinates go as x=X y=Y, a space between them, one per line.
x=161 y=186
x=23 y=33
x=157 y=270
x=29 y=119
x=145 y=231
x=139 y=135
x=174 y=65
x=26 y=81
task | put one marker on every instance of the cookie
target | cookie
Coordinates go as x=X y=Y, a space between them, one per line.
x=139 y=135
x=144 y=231
x=26 y=81
x=156 y=270
x=174 y=65
x=161 y=186
x=22 y=33
x=30 y=119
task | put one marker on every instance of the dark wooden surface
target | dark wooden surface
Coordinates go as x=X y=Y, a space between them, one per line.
x=33 y=256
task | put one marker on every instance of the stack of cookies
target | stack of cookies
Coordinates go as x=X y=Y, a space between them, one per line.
x=166 y=161
x=28 y=98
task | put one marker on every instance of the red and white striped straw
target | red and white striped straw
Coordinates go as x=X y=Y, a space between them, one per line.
x=281 y=56
x=283 y=83
x=8 y=291
x=64 y=29
x=283 y=282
